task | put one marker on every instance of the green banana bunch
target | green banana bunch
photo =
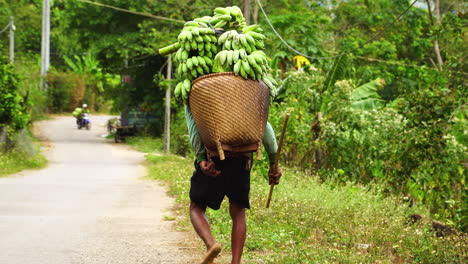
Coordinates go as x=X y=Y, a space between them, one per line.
x=228 y=17
x=241 y=53
x=200 y=50
x=194 y=58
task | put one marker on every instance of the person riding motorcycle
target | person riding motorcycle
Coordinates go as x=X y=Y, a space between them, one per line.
x=79 y=113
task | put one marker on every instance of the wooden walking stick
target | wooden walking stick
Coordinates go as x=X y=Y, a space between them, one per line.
x=275 y=166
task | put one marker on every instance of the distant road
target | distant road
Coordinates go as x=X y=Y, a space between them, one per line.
x=90 y=205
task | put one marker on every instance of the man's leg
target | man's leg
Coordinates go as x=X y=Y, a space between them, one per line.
x=202 y=227
x=201 y=224
x=239 y=229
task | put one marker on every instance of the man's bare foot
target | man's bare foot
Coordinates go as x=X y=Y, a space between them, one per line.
x=211 y=254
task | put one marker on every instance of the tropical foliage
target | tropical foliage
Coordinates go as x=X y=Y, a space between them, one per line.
x=388 y=112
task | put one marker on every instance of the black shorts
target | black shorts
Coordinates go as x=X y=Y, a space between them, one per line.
x=233 y=182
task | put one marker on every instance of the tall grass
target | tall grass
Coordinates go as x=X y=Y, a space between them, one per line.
x=314 y=222
x=16 y=160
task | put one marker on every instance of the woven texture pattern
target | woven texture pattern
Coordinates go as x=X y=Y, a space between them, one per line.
x=230 y=109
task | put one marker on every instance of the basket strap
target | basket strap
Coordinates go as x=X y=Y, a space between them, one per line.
x=233 y=151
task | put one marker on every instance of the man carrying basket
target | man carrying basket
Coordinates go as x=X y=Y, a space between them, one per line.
x=215 y=178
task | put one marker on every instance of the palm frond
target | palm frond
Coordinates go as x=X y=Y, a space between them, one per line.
x=366 y=97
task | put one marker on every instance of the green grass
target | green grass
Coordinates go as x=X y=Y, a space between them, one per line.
x=146 y=144
x=313 y=222
x=15 y=161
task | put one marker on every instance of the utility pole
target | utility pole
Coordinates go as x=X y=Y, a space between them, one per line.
x=12 y=40
x=167 y=119
x=45 y=46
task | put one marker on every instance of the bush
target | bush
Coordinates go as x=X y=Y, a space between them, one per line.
x=66 y=90
x=13 y=114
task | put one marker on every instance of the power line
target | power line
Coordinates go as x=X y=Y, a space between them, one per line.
x=369 y=59
x=344 y=53
x=133 y=12
x=6 y=27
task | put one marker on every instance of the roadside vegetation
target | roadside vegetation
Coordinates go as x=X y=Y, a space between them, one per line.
x=312 y=221
x=18 y=149
x=23 y=157
x=384 y=125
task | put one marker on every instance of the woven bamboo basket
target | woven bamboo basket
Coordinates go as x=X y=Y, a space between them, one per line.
x=230 y=112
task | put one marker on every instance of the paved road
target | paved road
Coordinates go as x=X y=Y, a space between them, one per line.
x=90 y=205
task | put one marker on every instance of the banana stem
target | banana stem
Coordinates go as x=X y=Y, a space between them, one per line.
x=169 y=49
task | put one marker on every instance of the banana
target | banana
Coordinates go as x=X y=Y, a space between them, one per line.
x=242 y=71
x=179 y=70
x=229 y=57
x=220 y=24
x=223 y=37
x=183 y=92
x=226 y=18
x=206 y=31
x=259 y=45
x=252 y=61
x=257 y=56
x=213 y=39
x=191 y=24
x=222 y=56
x=235 y=56
x=249 y=39
x=177 y=90
x=200 y=70
x=227 y=45
x=195 y=61
x=201 y=61
x=201 y=52
x=206 y=69
x=255 y=35
x=189 y=36
x=193 y=45
x=181 y=37
x=195 y=32
x=201 y=46
x=199 y=38
x=187 y=45
x=207 y=46
x=250 y=28
x=243 y=40
x=249 y=49
x=214 y=49
x=268 y=83
x=194 y=72
x=178 y=55
x=251 y=73
x=206 y=38
x=205 y=19
x=215 y=20
x=237 y=66
x=271 y=79
x=258 y=70
x=189 y=64
x=184 y=67
x=208 y=61
x=187 y=85
x=221 y=11
x=246 y=66
x=235 y=44
x=242 y=53
x=235 y=11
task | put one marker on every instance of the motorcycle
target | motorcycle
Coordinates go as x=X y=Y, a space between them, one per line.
x=84 y=122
